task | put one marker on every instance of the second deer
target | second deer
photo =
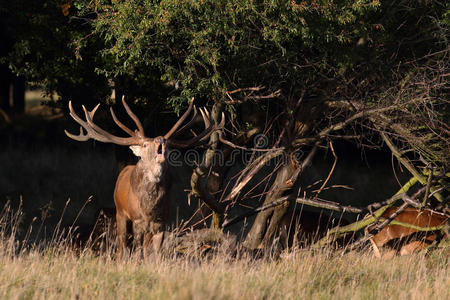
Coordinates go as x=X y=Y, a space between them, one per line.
x=406 y=240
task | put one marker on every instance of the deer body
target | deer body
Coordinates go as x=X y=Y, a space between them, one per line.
x=413 y=216
x=143 y=199
x=141 y=192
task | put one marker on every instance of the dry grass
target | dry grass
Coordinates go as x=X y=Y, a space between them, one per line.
x=52 y=275
x=54 y=271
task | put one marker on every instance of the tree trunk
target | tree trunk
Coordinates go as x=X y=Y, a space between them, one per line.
x=205 y=181
x=12 y=92
x=258 y=235
x=262 y=231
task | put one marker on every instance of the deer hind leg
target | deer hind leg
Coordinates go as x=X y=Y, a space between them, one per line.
x=121 y=223
x=375 y=248
x=155 y=239
x=155 y=236
x=146 y=244
x=413 y=247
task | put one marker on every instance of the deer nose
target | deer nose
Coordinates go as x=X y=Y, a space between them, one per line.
x=160 y=140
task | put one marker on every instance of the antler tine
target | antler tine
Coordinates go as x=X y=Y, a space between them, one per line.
x=187 y=125
x=81 y=137
x=76 y=117
x=134 y=117
x=133 y=140
x=120 y=124
x=180 y=121
x=92 y=112
x=215 y=127
x=203 y=135
x=90 y=132
x=206 y=117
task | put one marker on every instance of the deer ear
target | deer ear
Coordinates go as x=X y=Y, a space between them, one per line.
x=137 y=150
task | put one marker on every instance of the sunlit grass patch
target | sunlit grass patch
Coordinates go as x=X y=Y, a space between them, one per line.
x=56 y=271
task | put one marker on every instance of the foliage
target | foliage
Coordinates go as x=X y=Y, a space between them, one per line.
x=211 y=47
x=41 y=48
x=236 y=51
x=205 y=49
x=341 y=58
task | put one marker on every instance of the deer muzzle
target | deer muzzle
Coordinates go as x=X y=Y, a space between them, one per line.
x=160 y=149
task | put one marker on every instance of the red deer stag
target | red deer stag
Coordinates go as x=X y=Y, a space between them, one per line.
x=141 y=192
x=414 y=240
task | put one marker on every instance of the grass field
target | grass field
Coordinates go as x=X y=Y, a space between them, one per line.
x=53 y=270
x=57 y=273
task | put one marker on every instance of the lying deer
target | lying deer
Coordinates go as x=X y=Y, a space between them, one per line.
x=141 y=192
x=413 y=239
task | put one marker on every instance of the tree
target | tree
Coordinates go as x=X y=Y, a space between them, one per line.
x=367 y=71
x=42 y=50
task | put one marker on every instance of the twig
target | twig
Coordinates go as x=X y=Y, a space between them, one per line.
x=234 y=220
x=407 y=164
x=331 y=171
x=5 y=116
x=325 y=132
x=232 y=145
x=427 y=189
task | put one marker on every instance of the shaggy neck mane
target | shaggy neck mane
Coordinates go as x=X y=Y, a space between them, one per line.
x=150 y=172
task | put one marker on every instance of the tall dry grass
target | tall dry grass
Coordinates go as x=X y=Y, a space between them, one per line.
x=54 y=271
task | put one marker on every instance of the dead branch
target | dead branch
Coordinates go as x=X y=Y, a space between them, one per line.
x=422 y=179
x=234 y=220
x=250 y=172
x=250 y=95
x=312 y=202
x=331 y=171
x=325 y=132
x=336 y=233
x=232 y=145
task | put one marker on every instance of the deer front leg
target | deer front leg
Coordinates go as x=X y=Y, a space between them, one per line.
x=138 y=234
x=157 y=241
x=155 y=236
x=147 y=239
x=121 y=222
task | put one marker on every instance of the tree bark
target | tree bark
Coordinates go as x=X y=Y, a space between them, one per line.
x=12 y=92
x=205 y=181
x=263 y=229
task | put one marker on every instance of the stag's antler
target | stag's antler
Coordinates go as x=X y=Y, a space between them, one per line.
x=210 y=127
x=95 y=132
x=181 y=120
